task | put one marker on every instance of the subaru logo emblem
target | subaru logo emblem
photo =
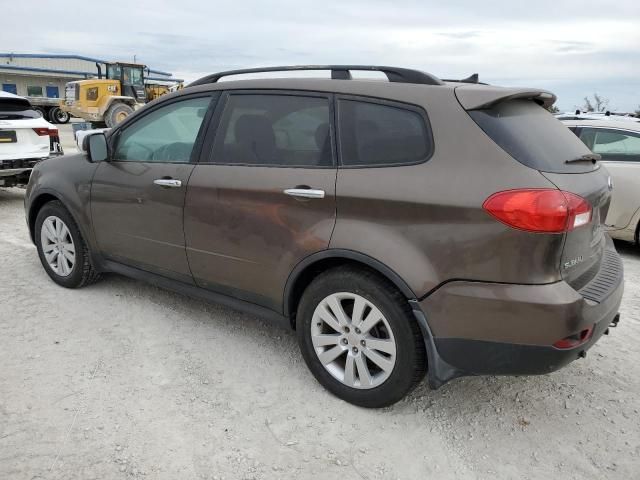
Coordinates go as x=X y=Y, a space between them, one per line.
x=610 y=183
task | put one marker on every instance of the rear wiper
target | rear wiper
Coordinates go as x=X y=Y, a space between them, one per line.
x=587 y=157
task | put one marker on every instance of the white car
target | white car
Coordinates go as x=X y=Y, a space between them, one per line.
x=615 y=117
x=618 y=142
x=25 y=139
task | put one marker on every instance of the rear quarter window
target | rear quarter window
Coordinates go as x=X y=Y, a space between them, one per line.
x=376 y=134
x=532 y=136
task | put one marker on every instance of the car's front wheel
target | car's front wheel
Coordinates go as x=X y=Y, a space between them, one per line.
x=358 y=337
x=61 y=248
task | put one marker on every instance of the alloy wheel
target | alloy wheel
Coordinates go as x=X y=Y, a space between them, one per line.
x=353 y=340
x=57 y=246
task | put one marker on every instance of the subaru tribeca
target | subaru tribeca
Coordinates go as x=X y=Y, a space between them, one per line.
x=401 y=227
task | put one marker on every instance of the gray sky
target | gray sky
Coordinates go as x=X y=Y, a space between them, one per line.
x=571 y=47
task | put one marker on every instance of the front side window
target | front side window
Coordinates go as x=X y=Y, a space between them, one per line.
x=34 y=91
x=373 y=134
x=274 y=130
x=613 y=145
x=165 y=135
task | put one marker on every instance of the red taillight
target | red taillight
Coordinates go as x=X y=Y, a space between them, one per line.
x=43 y=131
x=575 y=340
x=539 y=210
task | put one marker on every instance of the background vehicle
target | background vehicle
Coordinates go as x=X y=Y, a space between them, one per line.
x=605 y=116
x=50 y=109
x=107 y=100
x=398 y=226
x=618 y=142
x=25 y=139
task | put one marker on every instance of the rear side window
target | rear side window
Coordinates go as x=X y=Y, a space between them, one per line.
x=274 y=130
x=613 y=145
x=531 y=135
x=373 y=134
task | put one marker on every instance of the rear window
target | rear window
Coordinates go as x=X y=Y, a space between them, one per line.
x=16 y=109
x=373 y=134
x=531 y=135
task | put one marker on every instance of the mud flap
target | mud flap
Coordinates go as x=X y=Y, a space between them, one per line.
x=439 y=371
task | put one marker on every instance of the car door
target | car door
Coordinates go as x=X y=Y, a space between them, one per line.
x=137 y=197
x=263 y=196
x=620 y=151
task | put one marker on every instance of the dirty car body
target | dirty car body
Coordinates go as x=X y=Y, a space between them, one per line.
x=489 y=241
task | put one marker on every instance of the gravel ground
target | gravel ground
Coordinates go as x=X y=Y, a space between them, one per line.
x=124 y=380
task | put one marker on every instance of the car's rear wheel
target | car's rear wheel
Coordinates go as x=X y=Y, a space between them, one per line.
x=359 y=339
x=61 y=248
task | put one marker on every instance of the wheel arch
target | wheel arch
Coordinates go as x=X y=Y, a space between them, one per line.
x=305 y=271
x=36 y=205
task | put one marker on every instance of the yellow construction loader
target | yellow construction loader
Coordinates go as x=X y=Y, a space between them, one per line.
x=109 y=99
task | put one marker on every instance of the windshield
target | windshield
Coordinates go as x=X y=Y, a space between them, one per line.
x=531 y=135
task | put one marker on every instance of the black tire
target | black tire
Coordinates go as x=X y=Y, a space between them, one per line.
x=57 y=115
x=41 y=111
x=410 y=361
x=116 y=113
x=82 y=272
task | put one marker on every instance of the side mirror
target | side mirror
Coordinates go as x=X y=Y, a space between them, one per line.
x=96 y=147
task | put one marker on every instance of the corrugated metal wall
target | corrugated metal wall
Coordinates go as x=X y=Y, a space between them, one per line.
x=70 y=64
x=22 y=82
x=57 y=71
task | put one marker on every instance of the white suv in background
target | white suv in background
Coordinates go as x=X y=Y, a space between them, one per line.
x=618 y=142
x=25 y=139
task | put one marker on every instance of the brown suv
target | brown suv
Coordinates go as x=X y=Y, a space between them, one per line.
x=401 y=227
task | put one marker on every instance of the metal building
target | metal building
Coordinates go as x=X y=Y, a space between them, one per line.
x=42 y=77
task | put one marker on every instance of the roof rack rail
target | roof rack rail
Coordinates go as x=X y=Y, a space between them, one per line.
x=474 y=78
x=338 y=72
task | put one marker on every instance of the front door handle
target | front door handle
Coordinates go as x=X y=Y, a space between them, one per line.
x=168 y=182
x=304 y=192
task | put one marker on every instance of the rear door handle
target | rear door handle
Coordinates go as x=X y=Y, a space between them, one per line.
x=168 y=182
x=304 y=192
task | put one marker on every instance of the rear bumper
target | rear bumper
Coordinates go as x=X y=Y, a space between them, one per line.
x=11 y=168
x=481 y=328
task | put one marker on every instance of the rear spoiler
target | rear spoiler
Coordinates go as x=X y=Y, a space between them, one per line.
x=477 y=97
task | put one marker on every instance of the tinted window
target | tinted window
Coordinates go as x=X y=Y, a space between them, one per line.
x=274 y=130
x=165 y=135
x=16 y=109
x=613 y=145
x=33 y=91
x=375 y=134
x=531 y=135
